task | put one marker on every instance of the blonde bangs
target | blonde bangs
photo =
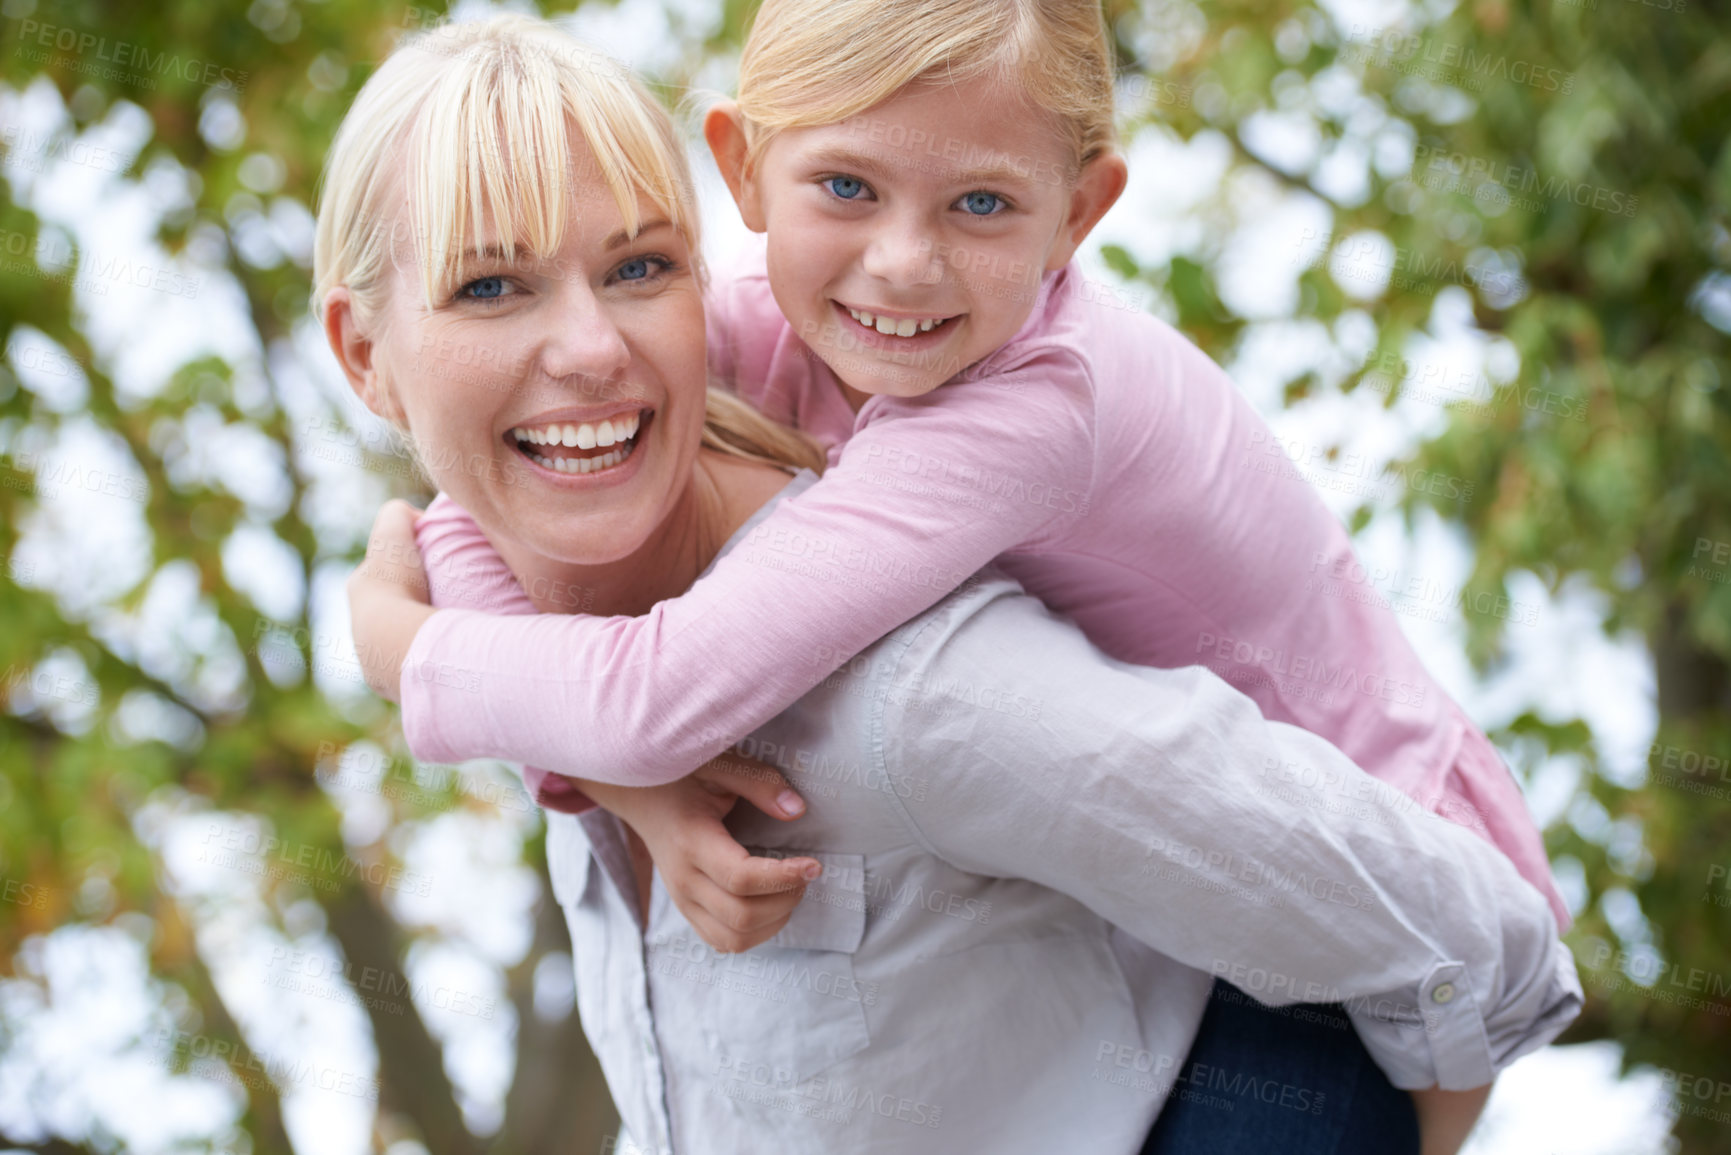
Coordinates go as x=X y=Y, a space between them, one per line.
x=492 y=146
x=808 y=64
x=484 y=115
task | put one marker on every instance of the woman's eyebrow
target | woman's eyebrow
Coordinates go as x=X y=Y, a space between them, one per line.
x=624 y=237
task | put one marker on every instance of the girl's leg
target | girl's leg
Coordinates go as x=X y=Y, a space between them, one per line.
x=1294 y=1080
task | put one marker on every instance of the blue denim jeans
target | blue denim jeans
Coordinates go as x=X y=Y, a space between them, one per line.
x=1294 y=1080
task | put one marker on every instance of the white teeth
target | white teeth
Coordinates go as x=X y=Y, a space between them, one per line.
x=890 y=327
x=613 y=431
x=584 y=464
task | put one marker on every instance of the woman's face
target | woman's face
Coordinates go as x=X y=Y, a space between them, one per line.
x=560 y=398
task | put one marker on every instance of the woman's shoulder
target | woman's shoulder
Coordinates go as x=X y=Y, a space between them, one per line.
x=744 y=486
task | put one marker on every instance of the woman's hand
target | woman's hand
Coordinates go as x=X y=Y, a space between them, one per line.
x=388 y=599
x=732 y=899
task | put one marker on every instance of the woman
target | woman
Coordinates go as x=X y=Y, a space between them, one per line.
x=997 y=956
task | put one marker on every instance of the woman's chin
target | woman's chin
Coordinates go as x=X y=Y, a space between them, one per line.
x=582 y=529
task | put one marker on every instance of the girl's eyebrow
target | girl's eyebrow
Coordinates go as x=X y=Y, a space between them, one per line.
x=999 y=172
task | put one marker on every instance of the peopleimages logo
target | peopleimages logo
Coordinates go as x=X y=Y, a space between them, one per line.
x=1499 y=177
x=36 y=38
x=1448 y=61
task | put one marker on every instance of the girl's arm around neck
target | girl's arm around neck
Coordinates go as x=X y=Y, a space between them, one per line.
x=925 y=494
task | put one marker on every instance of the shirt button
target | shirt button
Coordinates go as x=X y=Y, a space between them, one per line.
x=1443 y=993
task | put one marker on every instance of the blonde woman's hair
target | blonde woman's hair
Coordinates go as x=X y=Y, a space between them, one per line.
x=471 y=122
x=814 y=62
x=732 y=426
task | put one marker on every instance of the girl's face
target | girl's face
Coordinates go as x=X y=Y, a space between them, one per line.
x=909 y=242
x=560 y=400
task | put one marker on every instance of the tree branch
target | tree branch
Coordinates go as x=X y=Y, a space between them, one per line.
x=52 y=1146
x=264 y=1108
x=558 y=1103
x=412 y=1074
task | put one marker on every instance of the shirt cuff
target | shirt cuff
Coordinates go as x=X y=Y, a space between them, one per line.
x=1446 y=1040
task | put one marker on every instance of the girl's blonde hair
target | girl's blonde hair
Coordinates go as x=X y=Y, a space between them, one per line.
x=466 y=123
x=810 y=63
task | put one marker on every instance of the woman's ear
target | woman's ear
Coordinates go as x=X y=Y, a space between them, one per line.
x=354 y=350
x=1098 y=187
x=724 y=129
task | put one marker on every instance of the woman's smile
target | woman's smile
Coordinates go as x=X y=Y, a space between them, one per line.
x=567 y=447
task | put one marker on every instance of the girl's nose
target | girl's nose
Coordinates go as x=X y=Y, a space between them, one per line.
x=902 y=253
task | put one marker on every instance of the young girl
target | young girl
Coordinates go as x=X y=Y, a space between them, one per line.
x=924 y=171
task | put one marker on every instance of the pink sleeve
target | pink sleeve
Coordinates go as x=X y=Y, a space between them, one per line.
x=464 y=570
x=925 y=493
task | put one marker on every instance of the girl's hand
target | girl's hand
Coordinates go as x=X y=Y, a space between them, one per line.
x=1446 y=1118
x=732 y=899
x=388 y=599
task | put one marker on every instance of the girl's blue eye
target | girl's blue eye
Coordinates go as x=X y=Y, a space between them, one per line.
x=982 y=204
x=485 y=289
x=845 y=187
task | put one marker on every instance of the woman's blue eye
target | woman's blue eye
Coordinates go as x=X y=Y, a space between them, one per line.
x=642 y=270
x=485 y=289
x=845 y=187
x=982 y=204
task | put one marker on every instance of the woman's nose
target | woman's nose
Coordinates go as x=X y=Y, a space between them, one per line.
x=584 y=341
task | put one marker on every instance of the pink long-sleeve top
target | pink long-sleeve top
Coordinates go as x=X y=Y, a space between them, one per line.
x=1100 y=457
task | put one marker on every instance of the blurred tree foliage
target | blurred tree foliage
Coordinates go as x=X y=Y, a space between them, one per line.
x=1566 y=165
x=1570 y=167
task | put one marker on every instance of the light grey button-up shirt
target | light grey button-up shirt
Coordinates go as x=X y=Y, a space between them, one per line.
x=1036 y=860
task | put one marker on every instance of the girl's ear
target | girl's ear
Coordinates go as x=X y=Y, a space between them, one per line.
x=1098 y=187
x=724 y=129
x=354 y=350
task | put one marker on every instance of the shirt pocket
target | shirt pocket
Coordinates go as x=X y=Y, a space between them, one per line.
x=792 y=1007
